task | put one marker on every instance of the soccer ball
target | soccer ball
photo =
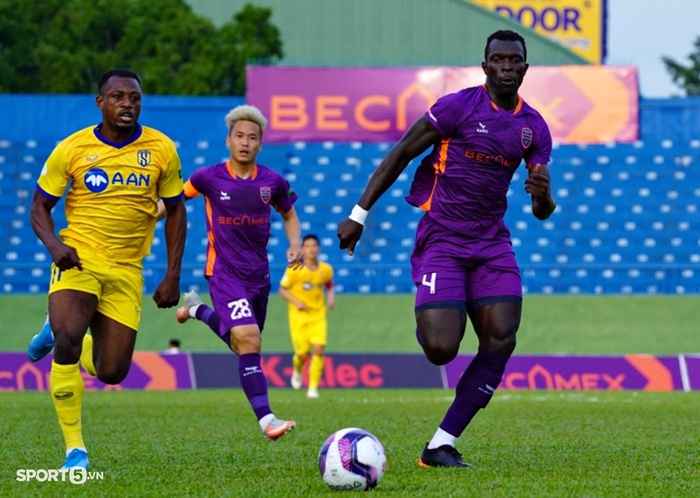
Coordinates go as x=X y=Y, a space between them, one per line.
x=350 y=459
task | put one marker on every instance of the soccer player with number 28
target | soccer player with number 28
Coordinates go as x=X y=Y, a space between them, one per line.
x=463 y=262
x=238 y=196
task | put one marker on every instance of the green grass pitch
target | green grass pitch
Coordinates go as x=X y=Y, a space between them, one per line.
x=525 y=444
x=207 y=443
x=384 y=323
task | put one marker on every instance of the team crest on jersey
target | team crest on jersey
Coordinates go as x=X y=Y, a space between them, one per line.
x=526 y=137
x=265 y=194
x=144 y=157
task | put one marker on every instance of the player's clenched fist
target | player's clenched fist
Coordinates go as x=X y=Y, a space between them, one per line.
x=349 y=233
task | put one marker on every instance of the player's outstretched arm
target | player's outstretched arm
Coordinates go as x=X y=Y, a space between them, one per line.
x=292 y=228
x=63 y=256
x=538 y=186
x=167 y=294
x=421 y=135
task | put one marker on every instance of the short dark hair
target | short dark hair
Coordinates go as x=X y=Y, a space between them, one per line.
x=504 y=35
x=311 y=236
x=175 y=342
x=122 y=73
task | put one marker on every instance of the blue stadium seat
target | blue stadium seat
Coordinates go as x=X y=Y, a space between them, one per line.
x=627 y=219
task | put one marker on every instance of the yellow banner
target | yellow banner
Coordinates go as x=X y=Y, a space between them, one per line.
x=576 y=24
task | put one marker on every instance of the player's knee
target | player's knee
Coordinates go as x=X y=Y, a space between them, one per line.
x=503 y=344
x=247 y=342
x=112 y=375
x=67 y=349
x=440 y=354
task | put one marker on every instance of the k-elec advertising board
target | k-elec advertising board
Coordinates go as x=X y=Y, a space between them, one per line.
x=581 y=104
x=154 y=371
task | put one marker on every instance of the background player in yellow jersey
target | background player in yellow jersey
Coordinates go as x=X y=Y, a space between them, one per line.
x=114 y=174
x=308 y=325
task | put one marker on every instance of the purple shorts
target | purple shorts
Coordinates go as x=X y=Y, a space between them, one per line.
x=238 y=304
x=456 y=271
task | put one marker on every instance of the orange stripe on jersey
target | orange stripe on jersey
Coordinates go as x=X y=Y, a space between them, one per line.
x=190 y=191
x=234 y=175
x=211 y=252
x=439 y=169
x=518 y=106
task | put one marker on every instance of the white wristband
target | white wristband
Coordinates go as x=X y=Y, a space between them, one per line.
x=358 y=215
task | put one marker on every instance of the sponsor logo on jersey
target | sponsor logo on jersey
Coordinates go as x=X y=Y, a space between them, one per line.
x=243 y=220
x=96 y=180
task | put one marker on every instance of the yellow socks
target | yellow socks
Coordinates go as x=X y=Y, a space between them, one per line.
x=298 y=365
x=67 y=390
x=86 y=356
x=315 y=371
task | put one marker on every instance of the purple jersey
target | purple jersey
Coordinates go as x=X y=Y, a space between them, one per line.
x=462 y=183
x=238 y=218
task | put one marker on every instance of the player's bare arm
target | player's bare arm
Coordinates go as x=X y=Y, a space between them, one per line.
x=420 y=136
x=287 y=296
x=330 y=297
x=292 y=228
x=167 y=294
x=162 y=212
x=63 y=256
x=538 y=186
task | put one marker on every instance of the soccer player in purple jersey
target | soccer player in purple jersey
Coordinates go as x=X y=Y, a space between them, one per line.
x=238 y=196
x=463 y=263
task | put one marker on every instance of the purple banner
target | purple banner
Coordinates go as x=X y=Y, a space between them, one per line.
x=339 y=370
x=149 y=371
x=156 y=371
x=343 y=104
x=582 y=104
x=583 y=373
x=692 y=372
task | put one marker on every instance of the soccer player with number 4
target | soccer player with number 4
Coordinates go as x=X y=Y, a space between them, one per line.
x=463 y=263
x=238 y=196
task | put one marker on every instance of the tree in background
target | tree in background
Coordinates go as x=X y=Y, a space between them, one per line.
x=688 y=78
x=58 y=46
x=254 y=40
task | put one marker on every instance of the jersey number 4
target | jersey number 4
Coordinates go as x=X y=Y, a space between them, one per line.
x=430 y=283
x=240 y=309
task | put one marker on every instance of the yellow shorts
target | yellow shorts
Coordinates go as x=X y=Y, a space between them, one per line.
x=118 y=287
x=308 y=330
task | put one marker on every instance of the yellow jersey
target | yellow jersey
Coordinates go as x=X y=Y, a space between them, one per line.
x=306 y=284
x=114 y=188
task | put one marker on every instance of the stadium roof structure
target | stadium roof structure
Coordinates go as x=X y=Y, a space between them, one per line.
x=386 y=33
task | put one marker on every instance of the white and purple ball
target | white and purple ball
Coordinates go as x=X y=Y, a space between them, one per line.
x=352 y=459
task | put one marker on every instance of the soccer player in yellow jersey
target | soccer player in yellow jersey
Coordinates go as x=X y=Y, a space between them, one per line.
x=308 y=325
x=114 y=173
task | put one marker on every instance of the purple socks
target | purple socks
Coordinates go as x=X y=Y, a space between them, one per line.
x=253 y=383
x=474 y=390
x=208 y=315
